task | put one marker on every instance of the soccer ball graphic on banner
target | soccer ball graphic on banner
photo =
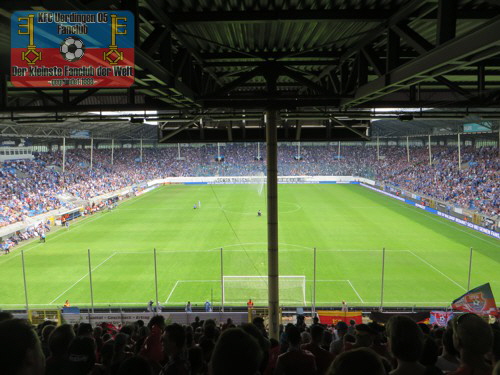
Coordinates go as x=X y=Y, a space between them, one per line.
x=72 y=48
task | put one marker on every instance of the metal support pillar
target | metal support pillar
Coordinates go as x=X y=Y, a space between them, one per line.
x=112 y=151
x=378 y=148
x=459 y=153
x=408 y=148
x=272 y=222
x=447 y=21
x=91 y=151
x=141 y=151
x=430 y=151
x=64 y=155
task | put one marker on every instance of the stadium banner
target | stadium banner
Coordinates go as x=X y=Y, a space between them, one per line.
x=333 y=317
x=120 y=319
x=72 y=48
x=466 y=223
x=260 y=179
x=470 y=225
x=440 y=318
x=479 y=301
x=147 y=190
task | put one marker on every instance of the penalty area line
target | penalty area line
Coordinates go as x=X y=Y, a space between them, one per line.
x=172 y=291
x=355 y=291
x=81 y=278
x=437 y=270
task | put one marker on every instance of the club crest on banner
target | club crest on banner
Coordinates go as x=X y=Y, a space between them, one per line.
x=475 y=301
x=479 y=300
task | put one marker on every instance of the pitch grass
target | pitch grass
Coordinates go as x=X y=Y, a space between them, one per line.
x=426 y=264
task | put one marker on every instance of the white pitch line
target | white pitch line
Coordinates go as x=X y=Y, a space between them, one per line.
x=172 y=291
x=355 y=291
x=196 y=281
x=434 y=268
x=59 y=232
x=253 y=251
x=81 y=278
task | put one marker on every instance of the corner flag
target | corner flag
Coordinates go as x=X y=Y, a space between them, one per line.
x=479 y=300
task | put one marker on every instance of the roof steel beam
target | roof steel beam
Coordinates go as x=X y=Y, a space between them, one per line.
x=320 y=15
x=250 y=16
x=401 y=15
x=447 y=21
x=179 y=129
x=245 y=77
x=167 y=21
x=146 y=62
x=299 y=77
x=469 y=49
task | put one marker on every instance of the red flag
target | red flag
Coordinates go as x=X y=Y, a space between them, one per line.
x=479 y=301
x=333 y=317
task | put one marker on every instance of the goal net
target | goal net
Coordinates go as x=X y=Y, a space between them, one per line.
x=261 y=181
x=238 y=289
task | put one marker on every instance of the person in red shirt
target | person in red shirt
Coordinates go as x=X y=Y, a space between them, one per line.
x=295 y=361
x=250 y=303
x=152 y=348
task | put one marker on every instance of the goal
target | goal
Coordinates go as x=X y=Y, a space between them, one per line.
x=238 y=289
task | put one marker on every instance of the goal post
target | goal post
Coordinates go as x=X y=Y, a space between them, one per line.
x=239 y=289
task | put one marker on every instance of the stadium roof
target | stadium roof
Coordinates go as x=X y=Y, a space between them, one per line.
x=315 y=60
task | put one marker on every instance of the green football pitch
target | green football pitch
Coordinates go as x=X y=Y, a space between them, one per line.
x=426 y=257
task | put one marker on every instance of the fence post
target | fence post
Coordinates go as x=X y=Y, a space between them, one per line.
x=156 y=281
x=314 y=285
x=90 y=279
x=382 y=288
x=470 y=269
x=25 y=285
x=222 y=279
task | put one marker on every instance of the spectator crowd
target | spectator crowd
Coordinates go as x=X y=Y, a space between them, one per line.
x=32 y=187
x=468 y=345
